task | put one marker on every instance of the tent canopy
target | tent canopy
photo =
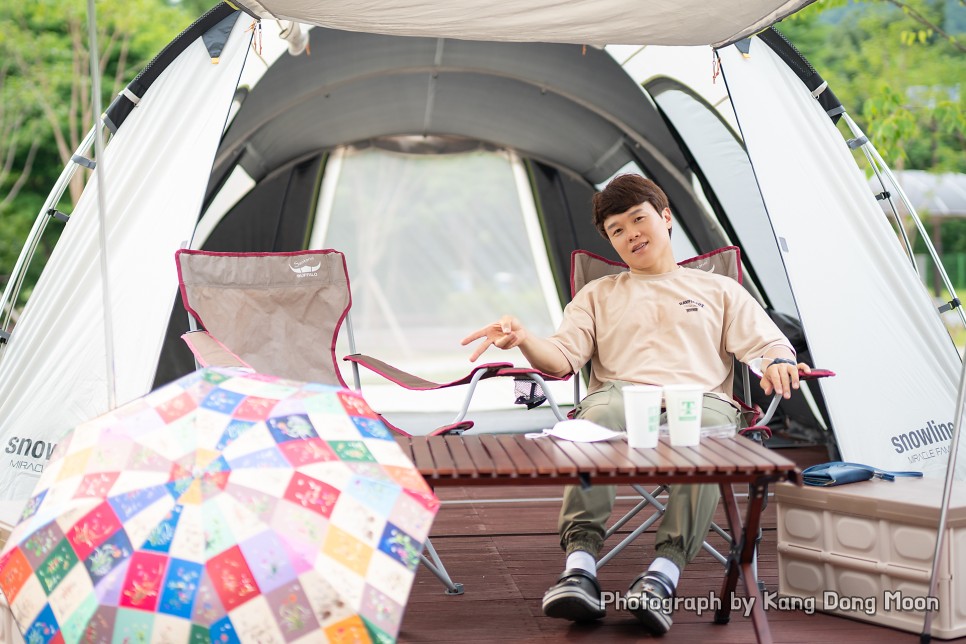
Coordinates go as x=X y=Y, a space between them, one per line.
x=591 y=22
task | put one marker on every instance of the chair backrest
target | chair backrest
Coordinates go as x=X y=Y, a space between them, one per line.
x=280 y=312
x=586 y=266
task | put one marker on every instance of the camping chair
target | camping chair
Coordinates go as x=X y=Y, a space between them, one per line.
x=280 y=313
x=586 y=267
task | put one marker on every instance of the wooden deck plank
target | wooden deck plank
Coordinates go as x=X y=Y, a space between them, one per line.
x=505 y=576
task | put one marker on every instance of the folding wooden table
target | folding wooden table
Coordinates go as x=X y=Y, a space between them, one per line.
x=513 y=459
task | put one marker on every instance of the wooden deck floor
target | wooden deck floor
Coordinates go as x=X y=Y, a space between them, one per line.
x=501 y=544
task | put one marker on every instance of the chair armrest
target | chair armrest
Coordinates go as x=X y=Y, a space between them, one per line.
x=209 y=352
x=409 y=381
x=814 y=374
x=527 y=371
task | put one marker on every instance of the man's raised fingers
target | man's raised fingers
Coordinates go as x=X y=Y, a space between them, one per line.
x=476 y=335
x=483 y=346
x=506 y=323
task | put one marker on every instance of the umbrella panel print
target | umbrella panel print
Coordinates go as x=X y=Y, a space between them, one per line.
x=224 y=507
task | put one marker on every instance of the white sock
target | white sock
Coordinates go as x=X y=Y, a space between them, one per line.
x=666 y=566
x=583 y=560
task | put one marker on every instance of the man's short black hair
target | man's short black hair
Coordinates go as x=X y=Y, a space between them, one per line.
x=622 y=193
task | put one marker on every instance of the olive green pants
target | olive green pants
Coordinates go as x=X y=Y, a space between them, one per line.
x=690 y=508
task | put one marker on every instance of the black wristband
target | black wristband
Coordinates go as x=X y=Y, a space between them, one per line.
x=782 y=361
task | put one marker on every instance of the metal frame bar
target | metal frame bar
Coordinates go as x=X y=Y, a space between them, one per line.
x=12 y=289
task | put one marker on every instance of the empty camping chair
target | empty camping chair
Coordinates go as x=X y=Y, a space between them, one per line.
x=279 y=313
x=586 y=267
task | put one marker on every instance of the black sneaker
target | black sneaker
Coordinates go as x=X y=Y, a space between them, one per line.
x=575 y=596
x=649 y=599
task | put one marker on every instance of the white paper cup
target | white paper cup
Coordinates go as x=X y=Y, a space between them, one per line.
x=683 y=403
x=642 y=414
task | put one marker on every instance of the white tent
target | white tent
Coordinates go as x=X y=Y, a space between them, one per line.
x=248 y=154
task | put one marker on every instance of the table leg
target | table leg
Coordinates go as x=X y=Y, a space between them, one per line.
x=742 y=557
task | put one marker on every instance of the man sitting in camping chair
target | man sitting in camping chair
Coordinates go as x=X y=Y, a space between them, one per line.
x=661 y=324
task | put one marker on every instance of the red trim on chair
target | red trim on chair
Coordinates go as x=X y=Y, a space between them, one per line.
x=573 y=263
x=453 y=428
x=718 y=251
x=815 y=374
x=324 y=251
x=723 y=249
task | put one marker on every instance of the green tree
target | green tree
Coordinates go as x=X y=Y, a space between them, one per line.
x=899 y=72
x=45 y=93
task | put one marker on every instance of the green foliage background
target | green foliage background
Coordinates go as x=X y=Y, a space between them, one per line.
x=900 y=79
x=45 y=101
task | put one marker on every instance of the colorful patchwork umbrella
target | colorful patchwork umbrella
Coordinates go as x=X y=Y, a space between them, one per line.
x=224 y=507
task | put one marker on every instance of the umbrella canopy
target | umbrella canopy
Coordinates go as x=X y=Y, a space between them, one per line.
x=223 y=507
x=591 y=22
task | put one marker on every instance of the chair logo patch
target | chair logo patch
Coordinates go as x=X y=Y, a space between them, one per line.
x=302 y=268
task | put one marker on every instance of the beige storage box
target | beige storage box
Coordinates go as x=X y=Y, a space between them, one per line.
x=865 y=550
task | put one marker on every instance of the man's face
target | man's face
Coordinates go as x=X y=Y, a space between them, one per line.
x=640 y=236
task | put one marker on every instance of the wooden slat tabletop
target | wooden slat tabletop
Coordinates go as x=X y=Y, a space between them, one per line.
x=704 y=460
x=481 y=459
x=563 y=465
x=501 y=460
x=463 y=460
x=537 y=456
x=440 y=452
x=678 y=463
x=521 y=462
x=513 y=457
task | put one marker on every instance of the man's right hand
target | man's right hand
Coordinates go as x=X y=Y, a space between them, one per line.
x=506 y=333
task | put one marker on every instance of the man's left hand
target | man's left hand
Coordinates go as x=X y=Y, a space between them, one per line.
x=782 y=377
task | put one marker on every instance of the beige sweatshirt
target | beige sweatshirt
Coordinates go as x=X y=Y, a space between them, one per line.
x=679 y=327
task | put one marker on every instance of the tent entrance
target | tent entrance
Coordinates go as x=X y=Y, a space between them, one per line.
x=437 y=246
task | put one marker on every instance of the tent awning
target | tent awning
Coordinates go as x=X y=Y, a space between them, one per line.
x=590 y=22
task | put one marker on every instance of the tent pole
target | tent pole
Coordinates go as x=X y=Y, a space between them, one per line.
x=101 y=205
x=870 y=150
x=926 y=634
x=12 y=289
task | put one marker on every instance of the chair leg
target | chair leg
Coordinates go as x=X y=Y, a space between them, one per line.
x=435 y=566
x=650 y=498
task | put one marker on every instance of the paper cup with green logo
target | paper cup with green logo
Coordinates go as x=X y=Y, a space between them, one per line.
x=642 y=414
x=683 y=403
